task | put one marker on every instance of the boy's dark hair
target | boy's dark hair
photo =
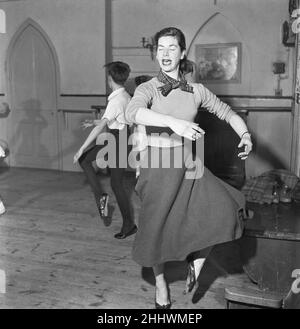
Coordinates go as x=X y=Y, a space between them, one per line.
x=119 y=71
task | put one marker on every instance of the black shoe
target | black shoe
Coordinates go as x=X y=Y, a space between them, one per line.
x=103 y=205
x=122 y=235
x=162 y=307
x=191 y=278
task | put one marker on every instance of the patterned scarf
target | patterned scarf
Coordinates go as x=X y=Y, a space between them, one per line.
x=170 y=83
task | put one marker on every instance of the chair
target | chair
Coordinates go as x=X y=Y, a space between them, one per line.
x=237 y=297
x=292 y=300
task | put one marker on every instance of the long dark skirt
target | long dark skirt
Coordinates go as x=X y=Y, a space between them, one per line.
x=183 y=210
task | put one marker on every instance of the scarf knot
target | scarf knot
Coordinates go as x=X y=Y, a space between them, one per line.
x=170 y=83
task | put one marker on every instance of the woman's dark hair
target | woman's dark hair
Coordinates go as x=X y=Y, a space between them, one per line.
x=187 y=66
x=141 y=79
x=119 y=71
x=171 y=32
x=178 y=34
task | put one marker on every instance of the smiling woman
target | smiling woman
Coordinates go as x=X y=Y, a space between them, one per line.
x=169 y=55
x=182 y=216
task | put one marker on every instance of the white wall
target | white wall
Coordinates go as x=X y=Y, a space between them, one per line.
x=76 y=29
x=256 y=24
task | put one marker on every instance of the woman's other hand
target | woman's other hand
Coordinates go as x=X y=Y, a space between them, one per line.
x=245 y=141
x=187 y=129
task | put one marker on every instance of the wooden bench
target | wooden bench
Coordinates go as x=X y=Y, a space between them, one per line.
x=270 y=246
x=270 y=252
x=251 y=298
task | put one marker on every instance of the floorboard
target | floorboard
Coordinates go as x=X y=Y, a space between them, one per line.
x=57 y=253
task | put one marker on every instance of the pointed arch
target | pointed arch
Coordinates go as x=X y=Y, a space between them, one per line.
x=29 y=22
x=211 y=18
x=245 y=85
x=199 y=30
x=45 y=153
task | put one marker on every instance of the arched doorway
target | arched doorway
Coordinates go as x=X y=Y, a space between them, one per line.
x=33 y=79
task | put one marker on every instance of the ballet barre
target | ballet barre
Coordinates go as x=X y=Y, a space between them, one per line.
x=65 y=113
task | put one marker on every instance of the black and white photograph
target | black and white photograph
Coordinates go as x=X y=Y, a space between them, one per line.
x=149 y=157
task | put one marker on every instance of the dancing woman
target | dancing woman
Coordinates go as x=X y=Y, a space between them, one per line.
x=181 y=217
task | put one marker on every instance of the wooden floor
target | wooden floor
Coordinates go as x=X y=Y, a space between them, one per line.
x=57 y=253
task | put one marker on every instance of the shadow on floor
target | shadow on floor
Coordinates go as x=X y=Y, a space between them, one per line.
x=223 y=260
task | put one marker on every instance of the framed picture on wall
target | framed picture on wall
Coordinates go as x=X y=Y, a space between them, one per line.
x=218 y=63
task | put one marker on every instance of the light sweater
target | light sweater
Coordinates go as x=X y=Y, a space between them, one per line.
x=178 y=103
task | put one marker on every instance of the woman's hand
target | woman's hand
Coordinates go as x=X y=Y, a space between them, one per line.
x=78 y=155
x=245 y=141
x=187 y=129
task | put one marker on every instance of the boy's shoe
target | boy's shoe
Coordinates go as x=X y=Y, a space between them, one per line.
x=103 y=206
x=2 y=208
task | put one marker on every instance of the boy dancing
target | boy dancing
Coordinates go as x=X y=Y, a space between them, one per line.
x=113 y=118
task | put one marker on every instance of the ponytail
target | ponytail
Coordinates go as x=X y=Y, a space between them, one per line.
x=186 y=66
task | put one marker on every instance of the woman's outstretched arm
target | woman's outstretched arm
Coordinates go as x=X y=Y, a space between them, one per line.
x=240 y=127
